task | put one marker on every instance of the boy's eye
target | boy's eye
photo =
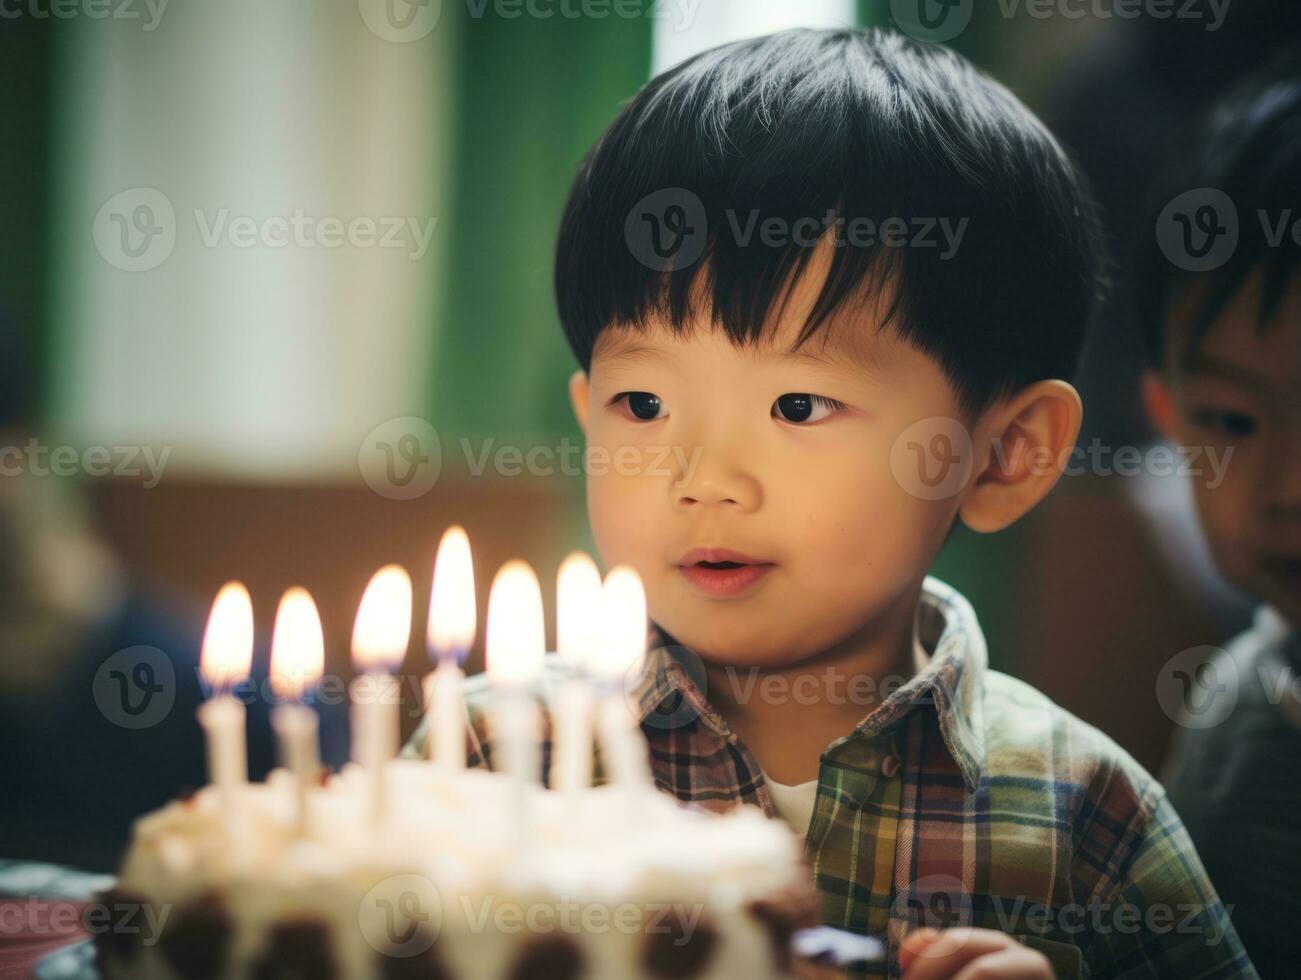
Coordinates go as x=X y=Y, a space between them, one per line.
x=800 y=408
x=1225 y=421
x=644 y=406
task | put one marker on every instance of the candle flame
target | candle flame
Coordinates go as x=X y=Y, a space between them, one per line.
x=578 y=608
x=297 y=645
x=382 y=630
x=228 y=640
x=516 y=629
x=451 y=607
x=622 y=625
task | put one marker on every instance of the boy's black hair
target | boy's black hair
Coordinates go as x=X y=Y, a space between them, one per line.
x=1248 y=148
x=871 y=126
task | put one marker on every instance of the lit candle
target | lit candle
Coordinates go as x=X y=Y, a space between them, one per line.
x=224 y=662
x=617 y=666
x=380 y=637
x=516 y=648
x=450 y=635
x=578 y=606
x=297 y=662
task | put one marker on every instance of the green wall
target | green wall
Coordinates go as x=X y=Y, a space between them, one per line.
x=26 y=50
x=534 y=95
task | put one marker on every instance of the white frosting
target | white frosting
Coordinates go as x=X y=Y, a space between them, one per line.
x=599 y=865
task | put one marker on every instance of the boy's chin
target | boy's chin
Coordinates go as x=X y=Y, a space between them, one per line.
x=1285 y=597
x=1274 y=583
x=739 y=651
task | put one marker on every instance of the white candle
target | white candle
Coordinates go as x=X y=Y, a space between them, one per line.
x=571 y=725
x=380 y=637
x=446 y=698
x=296 y=729
x=452 y=620
x=578 y=602
x=516 y=649
x=297 y=662
x=225 y=660
x=376 y=698
x=516 y=729
x=222 y=719
x=618 y=665
x=623 y=745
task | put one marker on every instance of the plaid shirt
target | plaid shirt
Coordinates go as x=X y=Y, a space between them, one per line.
x=964 y=798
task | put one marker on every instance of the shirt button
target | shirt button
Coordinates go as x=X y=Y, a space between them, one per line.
x=890 y=767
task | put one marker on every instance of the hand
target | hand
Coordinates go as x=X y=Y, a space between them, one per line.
x=970 y=954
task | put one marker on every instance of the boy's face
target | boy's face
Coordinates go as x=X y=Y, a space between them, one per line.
x=782 y=457
x=1239 y=390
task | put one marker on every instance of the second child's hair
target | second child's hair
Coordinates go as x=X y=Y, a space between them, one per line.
x=869 y=126
x=1249 y=149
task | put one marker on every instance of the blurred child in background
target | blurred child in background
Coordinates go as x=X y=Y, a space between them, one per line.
x=1220 y=294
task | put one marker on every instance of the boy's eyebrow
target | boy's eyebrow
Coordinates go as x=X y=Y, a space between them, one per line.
x=627 y=349
x=857 y=356
x=832 y=357
x=1198 y=364
x=836 y=356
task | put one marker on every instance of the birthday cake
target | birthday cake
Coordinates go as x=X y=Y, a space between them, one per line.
x=467 y=875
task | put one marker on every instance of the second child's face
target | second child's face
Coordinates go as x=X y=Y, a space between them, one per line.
x=1240 y=392
x=782 y=458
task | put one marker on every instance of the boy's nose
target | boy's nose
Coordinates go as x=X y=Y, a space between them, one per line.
x=733 y=488
x=1284 y=472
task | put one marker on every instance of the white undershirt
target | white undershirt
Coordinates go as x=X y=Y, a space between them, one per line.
x=795 y=804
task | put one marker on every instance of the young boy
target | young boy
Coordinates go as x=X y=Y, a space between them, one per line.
x=1225 y=343
x=824 y=287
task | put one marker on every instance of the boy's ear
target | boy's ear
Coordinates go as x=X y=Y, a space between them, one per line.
x=579 y=388
x=1025 y=443
x=1159 y=401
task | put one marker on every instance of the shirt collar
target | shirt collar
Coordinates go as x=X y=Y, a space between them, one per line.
x=1274 y=632
x=1272 y=625
x=949 y=648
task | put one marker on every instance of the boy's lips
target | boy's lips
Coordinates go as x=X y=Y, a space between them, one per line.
x=721 y=571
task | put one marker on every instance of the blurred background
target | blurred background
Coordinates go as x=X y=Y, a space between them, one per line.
x=275 y=305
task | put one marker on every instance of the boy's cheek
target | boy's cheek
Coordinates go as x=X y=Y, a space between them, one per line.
x=623 y=512
x=1226 y=514
x=870 y=509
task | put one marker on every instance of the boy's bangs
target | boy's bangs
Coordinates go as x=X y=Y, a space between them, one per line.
x=948 y=211
x=746 y=293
